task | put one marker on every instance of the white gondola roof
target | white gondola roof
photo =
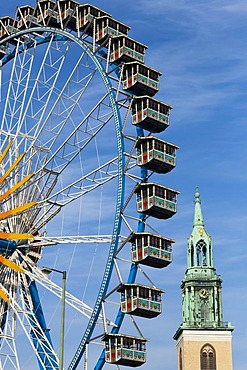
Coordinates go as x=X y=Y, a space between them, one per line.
x=6 y=17
x=127 y=37
x=145 y=233
x=95 y=7
x=139 y=139
x=25 y=6
x=141 y=184
x=47 y=1
x=114 y=20
x=73 y=1
x=142 y=65
x=107 y=335
x=151 y=98
x=124 y=285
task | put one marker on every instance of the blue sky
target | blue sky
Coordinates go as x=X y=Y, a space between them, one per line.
x=201 y=49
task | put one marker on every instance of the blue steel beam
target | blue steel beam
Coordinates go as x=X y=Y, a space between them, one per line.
x=133 y=268
x=47 y=358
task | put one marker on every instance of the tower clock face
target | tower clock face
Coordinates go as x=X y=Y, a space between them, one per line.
x=203 y=293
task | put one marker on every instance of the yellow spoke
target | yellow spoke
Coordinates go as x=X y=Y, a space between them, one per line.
x=2 y=156
x=15 y=187
x=16 y=236
x=10 y=264
x=3 y=295
x=16 y=210
x=16 y=162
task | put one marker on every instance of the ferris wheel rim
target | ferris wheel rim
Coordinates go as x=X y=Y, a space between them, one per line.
x=120 y=150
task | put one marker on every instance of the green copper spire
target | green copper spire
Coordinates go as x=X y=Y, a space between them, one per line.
x=201 y=287
x=198 y=219
x=199 y=253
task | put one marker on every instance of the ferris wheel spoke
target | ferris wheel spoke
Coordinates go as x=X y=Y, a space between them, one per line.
x=86 y=184
x=56 y=290
x=10 y=101
x=8 y=351
x=54 y=240
x=41 y=93
x=43 y=280
x=54 y=202
x=78 y=140
x=82 y=134
x=67 y=103
x=42 y=87
x=19 y=63
x=29 y=314
x=64 y=99
x=97 y=177
x=63 y=106
x=52 y=205
x=32 y=316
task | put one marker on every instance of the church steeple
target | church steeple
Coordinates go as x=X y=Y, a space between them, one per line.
x=201 y=287
x=199 y=253
x=203 y=339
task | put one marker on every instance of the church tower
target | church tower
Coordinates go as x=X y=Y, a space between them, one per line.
x=203 y=339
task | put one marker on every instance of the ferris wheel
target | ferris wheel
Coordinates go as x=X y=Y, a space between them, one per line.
x=80 y=183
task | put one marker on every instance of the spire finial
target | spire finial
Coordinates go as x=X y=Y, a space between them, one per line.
x=197 y=194
x=198 y=219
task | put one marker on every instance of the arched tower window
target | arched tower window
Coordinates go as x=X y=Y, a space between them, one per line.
x=208 y=358
x=192 y=255
x=201 y=251
x=180 y=360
